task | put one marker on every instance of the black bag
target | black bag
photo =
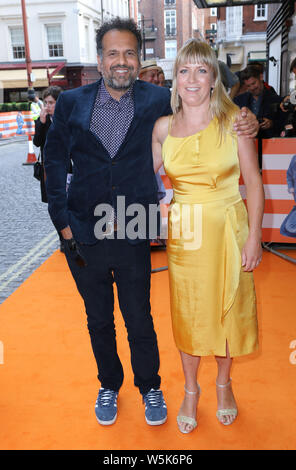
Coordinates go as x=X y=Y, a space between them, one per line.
x=38 y=170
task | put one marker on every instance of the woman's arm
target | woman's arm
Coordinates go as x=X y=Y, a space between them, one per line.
x=160 y=132
x=252 y=250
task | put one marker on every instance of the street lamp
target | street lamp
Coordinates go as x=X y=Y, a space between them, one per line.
x=31 y=91
x=143 y=21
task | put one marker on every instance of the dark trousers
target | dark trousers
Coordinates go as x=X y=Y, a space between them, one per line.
x=129 y=266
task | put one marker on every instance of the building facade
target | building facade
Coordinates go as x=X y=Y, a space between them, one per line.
x=241 y=34
x=61 y=39
x=281 y=45
x=166 y=25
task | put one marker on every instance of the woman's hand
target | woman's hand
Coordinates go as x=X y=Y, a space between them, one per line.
x=43 y=114
x=251 y=253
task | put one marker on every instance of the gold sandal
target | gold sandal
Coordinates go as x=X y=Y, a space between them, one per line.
x=226 y=411
x=181 y=419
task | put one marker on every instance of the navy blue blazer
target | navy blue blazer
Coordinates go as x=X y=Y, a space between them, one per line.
x=98 y=179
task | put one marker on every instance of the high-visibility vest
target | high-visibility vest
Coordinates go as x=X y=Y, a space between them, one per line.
x=35 y=108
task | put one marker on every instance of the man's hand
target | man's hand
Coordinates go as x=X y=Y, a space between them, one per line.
x=291 y=190
x=67 y=233
x=246 y=124
x=266 y=124
x=285 y=100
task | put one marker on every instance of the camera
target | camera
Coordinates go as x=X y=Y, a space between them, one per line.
x=290 y=125
x=287 y=105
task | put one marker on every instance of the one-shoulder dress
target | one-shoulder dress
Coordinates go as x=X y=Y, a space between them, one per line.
x=212 y=299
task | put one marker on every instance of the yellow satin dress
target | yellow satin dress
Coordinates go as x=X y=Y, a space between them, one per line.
x=212 y=299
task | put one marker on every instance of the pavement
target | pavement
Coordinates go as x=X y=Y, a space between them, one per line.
x=27 y=235
x=15 y=139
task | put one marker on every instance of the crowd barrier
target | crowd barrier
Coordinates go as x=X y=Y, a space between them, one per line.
x=16 y=123
x=276 y=157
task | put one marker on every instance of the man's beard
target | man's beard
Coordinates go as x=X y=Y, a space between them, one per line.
x=123 y=84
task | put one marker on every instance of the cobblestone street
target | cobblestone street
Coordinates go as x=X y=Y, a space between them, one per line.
x=27 y=236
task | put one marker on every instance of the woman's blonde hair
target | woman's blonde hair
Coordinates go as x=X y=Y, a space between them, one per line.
x=221 y=106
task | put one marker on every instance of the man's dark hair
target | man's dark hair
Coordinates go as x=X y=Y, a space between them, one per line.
x=259 y=66
x=251 y=71
x=53 y=91
x=293 y=65
x=120 y=24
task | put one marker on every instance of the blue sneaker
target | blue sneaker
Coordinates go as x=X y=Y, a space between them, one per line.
x=155 y=407
x=106 y=406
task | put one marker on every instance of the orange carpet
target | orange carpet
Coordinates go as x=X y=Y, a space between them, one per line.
x=49 y=385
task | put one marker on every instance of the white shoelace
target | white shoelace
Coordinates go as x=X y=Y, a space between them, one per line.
x=154 y=398
x=106 y=397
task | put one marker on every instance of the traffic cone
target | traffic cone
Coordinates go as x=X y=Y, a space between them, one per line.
x=31 y=158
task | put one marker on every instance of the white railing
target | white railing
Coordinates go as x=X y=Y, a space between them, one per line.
x=231 y=29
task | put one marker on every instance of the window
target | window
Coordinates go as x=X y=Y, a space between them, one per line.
x=169 y=2
x=213 y=11
x=214 y=26
x=17 y=42
x=170 y=22
x=54 y=39
x=234 y=22
x=170 y=49
x=260 y=12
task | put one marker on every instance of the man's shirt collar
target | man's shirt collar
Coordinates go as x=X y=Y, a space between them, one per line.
x=104 y=95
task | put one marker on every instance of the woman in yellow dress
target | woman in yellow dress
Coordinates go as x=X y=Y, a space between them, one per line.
x=213 y=243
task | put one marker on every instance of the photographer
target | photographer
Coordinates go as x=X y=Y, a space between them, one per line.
x=288 y=107
x=284 y=104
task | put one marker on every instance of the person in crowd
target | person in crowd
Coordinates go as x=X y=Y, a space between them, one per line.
x=149 y=71
x=264 y=103
x=291 y=177
x=242 y=86
x=288 y=226
x=106 y=127
x=152 y=73
x=35 y=106
x=260 y=67
x=285 y=102
x=161 y=77
x=229 y=79
x=213 y=246
x=42 y=124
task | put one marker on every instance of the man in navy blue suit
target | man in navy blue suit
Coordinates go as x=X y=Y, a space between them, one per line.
x=106 y=128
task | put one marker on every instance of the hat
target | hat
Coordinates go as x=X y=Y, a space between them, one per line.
x=150 y=64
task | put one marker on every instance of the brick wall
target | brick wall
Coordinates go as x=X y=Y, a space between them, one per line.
x=249 y=25
x=155 y=9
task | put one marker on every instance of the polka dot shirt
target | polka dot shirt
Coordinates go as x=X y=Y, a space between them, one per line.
x=111 y=119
